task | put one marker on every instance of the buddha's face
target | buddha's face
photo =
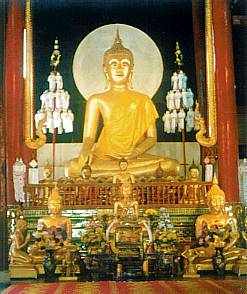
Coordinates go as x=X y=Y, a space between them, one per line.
x=123 y=165
x=194 y=174
x=54 y=206
x=118 y=70
x=86 y=173
x=47 y=173
x=217 y=203
x=159 y=173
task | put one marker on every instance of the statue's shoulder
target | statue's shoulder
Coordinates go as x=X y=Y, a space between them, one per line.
x=140 y=95
x=203 y=217
x=98 y=96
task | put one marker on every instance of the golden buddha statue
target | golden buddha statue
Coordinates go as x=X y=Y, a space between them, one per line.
x=217 y=229
x=129 y=128
x=127 y=205
x=123 y=176
x=58 y=224
x=55 y=219
x=47 y=174
x=85 y=175
x=193 y=193
x=18 y=249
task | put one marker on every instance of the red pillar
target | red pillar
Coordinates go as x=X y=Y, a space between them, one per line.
x=226 y=102
x=14 y=92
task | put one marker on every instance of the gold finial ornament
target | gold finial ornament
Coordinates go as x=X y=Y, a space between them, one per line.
x=56 y=55
x=118 y=49
x=193 y=166
x=179 y=55
x=54 y=197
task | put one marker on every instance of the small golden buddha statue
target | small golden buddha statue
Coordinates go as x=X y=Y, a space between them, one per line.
x=86 y=173
x=18 y=249
x=218 y=229
x=55 y=219
x=128 y=206
x=123 y=176
x=129 y=128
x=193 y=193
x=47 y=174
x=55 y=222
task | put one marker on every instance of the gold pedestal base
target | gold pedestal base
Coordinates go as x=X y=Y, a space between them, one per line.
x=67 y=278
x=17 y=271
x=240 y=268
x=210 y=267
x=191 y=276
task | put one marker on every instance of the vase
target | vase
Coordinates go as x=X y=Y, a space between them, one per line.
x=219 y=261
x=49 y=264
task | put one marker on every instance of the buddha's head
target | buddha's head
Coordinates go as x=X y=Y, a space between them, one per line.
x=118 y=63
x=86 y=172
x=47 y=171
x=159 y=172
x=216 y=198
x=21 y=225
x=123 y=164
x=194 y=172
x=54 y=202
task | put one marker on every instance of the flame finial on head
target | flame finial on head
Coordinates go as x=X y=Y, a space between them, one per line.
x=118 y=50
x=215 y=189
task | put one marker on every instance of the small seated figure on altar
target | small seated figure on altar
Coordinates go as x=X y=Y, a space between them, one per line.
x=193 y=193
x=47 y=174
x=55 y=219
x=123 y=176
x=58 y=227
x=128 y=206
x=218 y=229
x=129 y=128
x=18 y=248
x=86 y=173
x=159 y=175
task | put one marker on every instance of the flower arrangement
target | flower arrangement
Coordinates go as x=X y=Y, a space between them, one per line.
x=50 y=237
x=165 y=233
x=151 y=213
x=103 y=217
x=94 y=237
x=216 y=234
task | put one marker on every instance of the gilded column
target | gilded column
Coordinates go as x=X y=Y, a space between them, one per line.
x=226 y=102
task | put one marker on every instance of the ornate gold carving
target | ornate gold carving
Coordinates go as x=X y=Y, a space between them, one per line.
x=29 y=91
x=210 y=85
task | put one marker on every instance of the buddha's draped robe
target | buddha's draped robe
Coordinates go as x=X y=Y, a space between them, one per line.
x=126 y=120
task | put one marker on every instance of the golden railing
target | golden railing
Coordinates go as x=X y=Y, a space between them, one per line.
x=95 y=195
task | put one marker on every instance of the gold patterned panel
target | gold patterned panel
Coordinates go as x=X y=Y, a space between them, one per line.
x=29 y=90
x=211 y=129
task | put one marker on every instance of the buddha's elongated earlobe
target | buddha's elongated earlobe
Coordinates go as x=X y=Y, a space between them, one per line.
x=107 y=80
x=130 y=80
